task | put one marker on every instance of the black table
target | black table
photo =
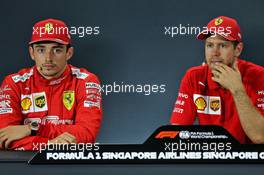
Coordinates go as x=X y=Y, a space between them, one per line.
x=15 y=162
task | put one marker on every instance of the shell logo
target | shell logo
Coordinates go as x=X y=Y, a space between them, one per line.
x=200 y=103
x=26 y=103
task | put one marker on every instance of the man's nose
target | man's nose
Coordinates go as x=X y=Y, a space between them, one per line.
x=216 y=51
x=48 y=56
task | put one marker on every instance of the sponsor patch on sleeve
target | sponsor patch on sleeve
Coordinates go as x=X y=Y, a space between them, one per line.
x=93 y=91
x=207 y=104
x=22 y=78
x=5 y=103
x=91 y=85
x=180 y=102
x=5 y=107
x=93 y=95
x=92 y=104
x=79 y=74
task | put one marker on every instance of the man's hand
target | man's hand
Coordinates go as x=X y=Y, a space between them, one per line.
x=12 y=133
x=229 y=78
x=63 y=138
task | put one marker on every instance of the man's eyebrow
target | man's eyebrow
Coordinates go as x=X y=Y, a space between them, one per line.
x=220 y=42
x=58 y=46
x=224 y=42
x=38 y=45
x=43 y=46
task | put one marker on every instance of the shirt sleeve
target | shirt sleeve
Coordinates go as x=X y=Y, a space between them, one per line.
x=184 y=111
x=9 y=104
x=88 y=114
x=10 y=114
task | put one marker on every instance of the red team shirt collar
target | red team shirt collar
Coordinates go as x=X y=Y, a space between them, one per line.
x=52 y=81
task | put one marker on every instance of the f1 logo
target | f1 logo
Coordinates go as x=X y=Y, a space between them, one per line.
x=166 y=134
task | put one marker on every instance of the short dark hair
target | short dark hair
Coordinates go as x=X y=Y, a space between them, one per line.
x=235 y=43
x=45 y=42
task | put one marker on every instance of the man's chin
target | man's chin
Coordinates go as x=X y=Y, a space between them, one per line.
x=50 y=74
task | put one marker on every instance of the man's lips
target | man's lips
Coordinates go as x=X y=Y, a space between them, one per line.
x=49 y=65
x=213 y=61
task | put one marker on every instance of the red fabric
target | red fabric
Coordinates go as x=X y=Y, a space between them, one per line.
x=199 y=96
x=225 y=26
x=51 y=30
x=27 y=96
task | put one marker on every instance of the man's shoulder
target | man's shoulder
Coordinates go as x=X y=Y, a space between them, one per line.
x=82 y=74
x=250 y=70
x=21 y=76
x=250 y=67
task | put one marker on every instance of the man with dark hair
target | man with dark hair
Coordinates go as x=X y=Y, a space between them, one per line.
x=226 y=91
x=52 y=102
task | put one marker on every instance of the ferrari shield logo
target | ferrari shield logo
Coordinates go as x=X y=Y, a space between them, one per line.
x=48 y=27
x=218 y=21
x=68 y=99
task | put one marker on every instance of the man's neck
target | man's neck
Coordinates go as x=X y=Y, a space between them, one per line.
x=53 y=76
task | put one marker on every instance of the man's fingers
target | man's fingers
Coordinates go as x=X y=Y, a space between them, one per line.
x=216 y=79
x=68 y=137
x=222 y=68
x=2 y=135
x=61 y=140
x=235 y=66
x=216 y=73
x=67 y=140
x=7 y=143
x=2 y=130
x=3 y=138
x=57 y=140
x=64 y=138
x=2 y=142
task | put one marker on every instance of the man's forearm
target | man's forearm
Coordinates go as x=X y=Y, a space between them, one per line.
x=251 y=119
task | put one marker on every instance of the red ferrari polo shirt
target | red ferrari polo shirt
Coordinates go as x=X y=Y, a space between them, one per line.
x=199 y=96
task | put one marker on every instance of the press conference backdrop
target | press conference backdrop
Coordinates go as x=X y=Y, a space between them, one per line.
x=130 y=42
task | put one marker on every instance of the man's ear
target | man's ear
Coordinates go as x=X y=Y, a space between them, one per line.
x=31 y=52
x=70 y=52
x=239 y=49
